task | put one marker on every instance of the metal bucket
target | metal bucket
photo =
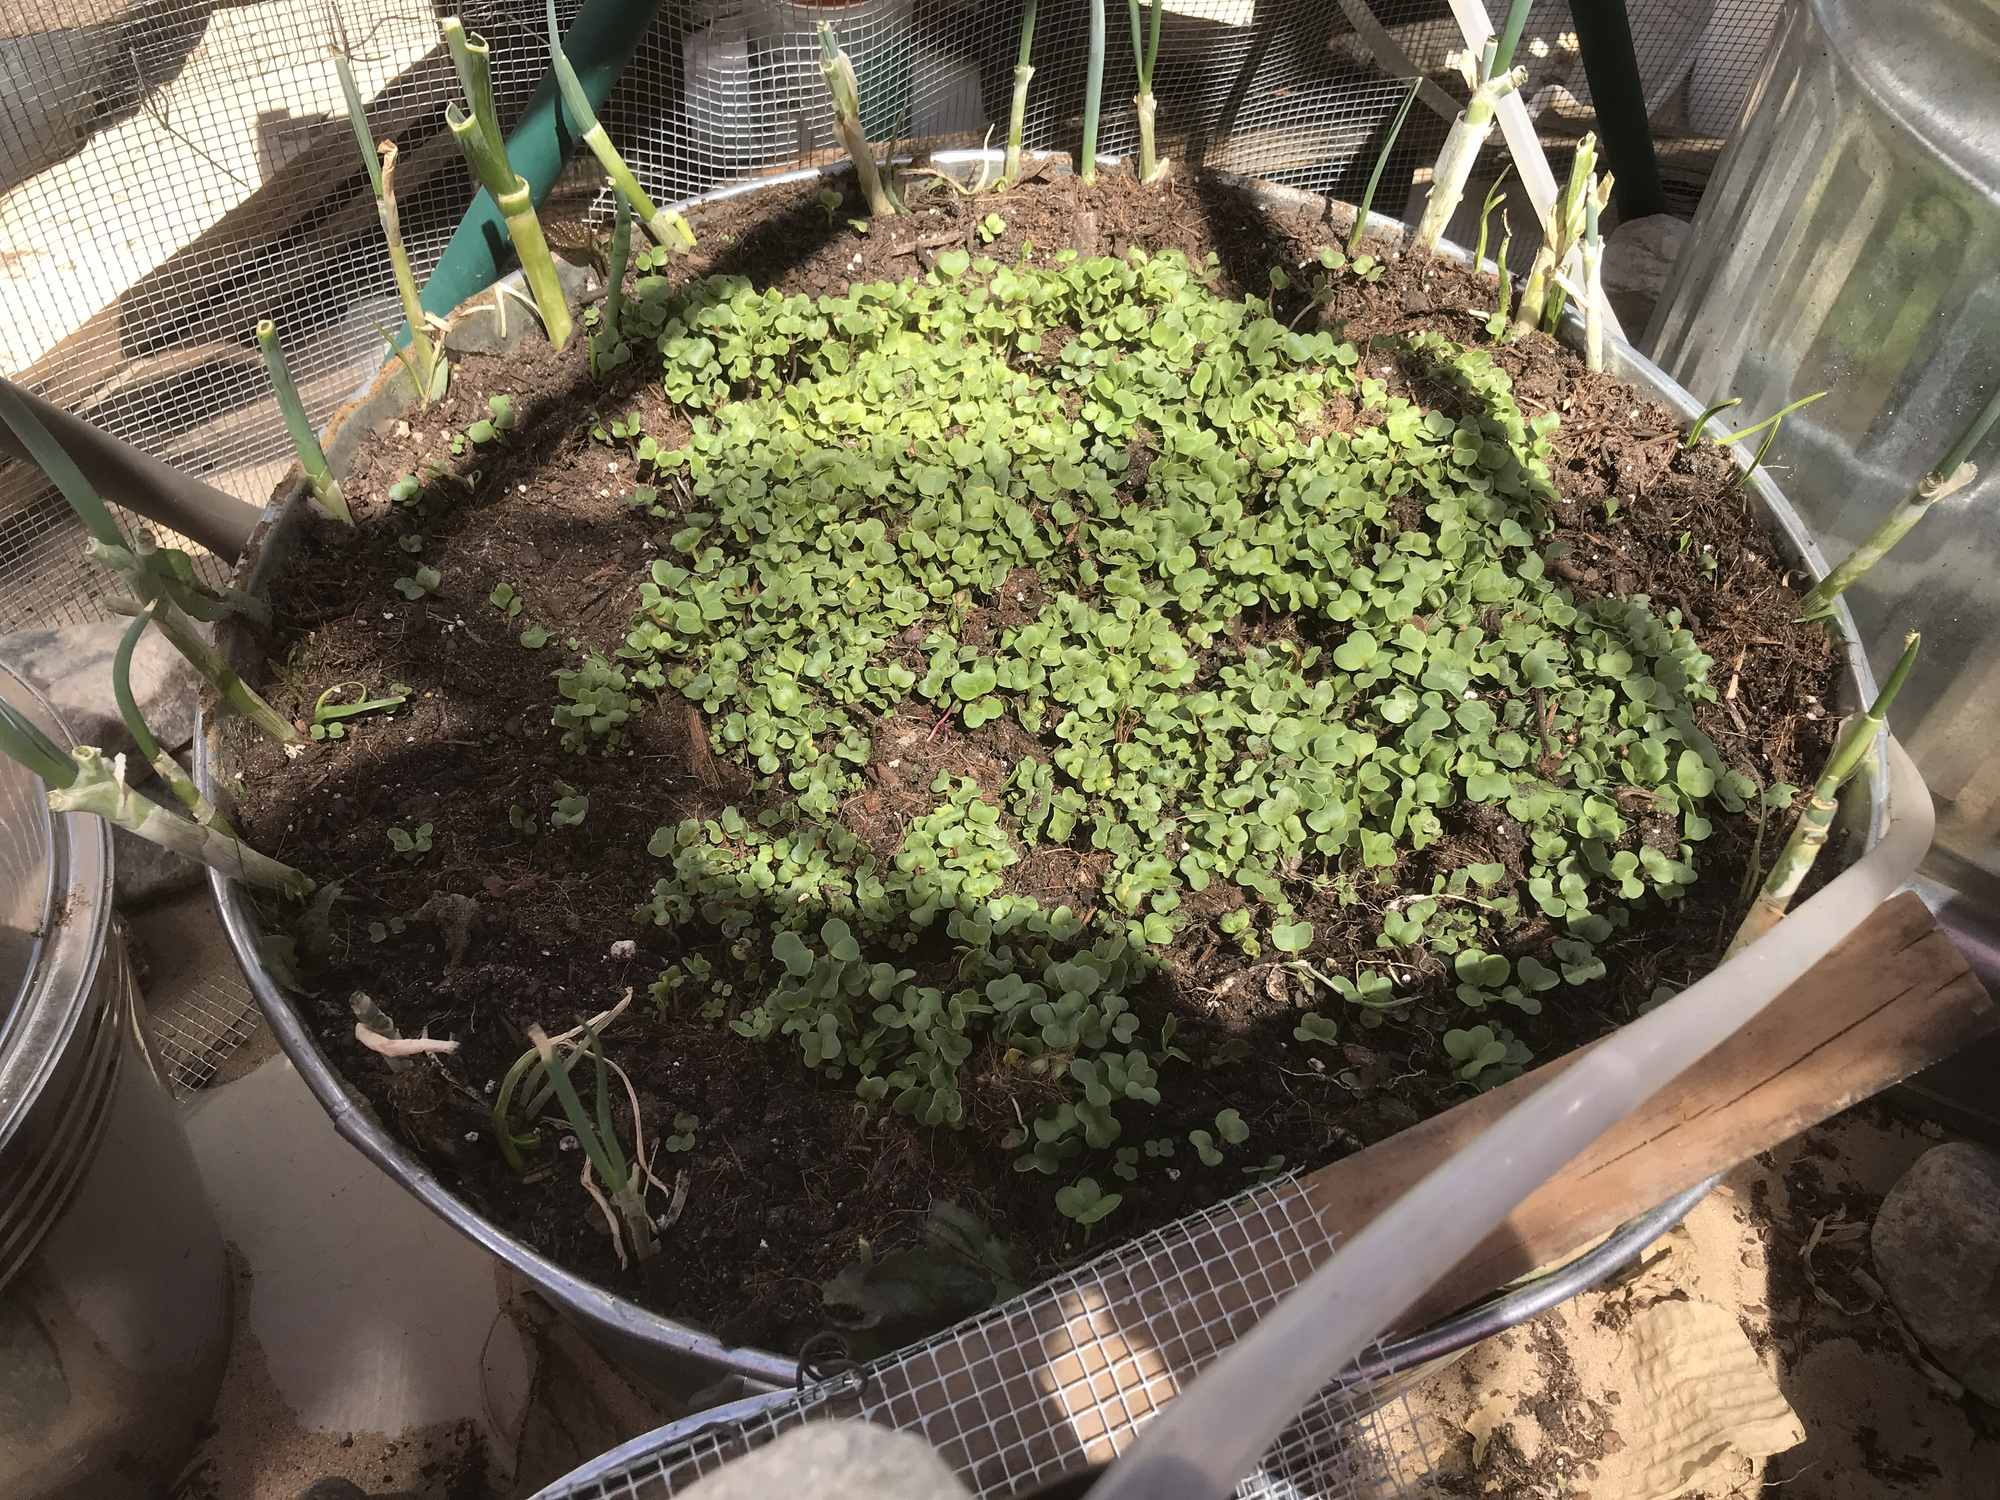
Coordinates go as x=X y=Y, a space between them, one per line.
x=1847 y=243
x=114 y=1292
x=662 y=1349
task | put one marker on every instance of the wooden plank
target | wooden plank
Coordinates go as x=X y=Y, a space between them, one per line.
x=1891 y=999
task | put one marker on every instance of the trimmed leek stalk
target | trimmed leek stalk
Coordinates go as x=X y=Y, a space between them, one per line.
x=478 y=136
x=1375 y=177
x=1593 y=283
x=1539 y=307
x=98 y=787
x=1490 y=81
x=1093 y=95
x=148 y=744
x=838 y=69
x=1145 y=53
x=1017 y=115
x=665 y=225
x=424 y=349
x=610 y=336
x=1809 y=834
x=325 y=489
x=83 y=781
x=150 y=574
x=1949 y=477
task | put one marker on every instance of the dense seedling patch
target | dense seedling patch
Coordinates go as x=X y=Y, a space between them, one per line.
x=1263 y=640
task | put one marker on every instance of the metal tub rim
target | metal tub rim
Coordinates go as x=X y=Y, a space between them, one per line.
x=665 y=1339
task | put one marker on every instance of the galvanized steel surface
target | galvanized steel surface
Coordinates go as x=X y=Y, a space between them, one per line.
x=1848 y=242
x=663 y=1347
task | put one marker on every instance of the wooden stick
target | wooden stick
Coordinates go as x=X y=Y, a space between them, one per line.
x=1893 y=998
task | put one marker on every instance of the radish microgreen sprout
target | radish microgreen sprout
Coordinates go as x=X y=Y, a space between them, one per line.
x=668 y=228
x=1145 y=53
x=320 y=483
x=331 y=710
x=1950 y=476
x=424 y=580
x=476 y=128
x=411 y=844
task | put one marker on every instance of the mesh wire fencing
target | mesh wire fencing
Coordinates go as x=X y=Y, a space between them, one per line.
x=171 y=172
x=1067 y=1375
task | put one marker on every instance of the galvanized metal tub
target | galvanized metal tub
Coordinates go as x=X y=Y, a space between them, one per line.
x=114 y=1291
x=678 y=1355
x=1847 y=243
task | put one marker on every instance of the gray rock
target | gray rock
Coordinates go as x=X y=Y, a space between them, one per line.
x=836 y=1461
x=143 y=872
x=1639 y=255
x=1937 y=1247
x=71 y=667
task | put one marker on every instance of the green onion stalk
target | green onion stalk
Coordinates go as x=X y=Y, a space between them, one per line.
x=665 y=225
x=1593 y=282
x=159 y=578
x=478 y=136
x=1775 y=421
x=1146 y=53
x=610 y=339
x=1494 y=198
x=1017 y=115
x=1504 y=293
x=320 y=483
x=1708 y=414
x=148 y=744
x=1809 y=834
x=83 y=780
x=1093 y=95
x=624 y=1181
x=1949 y=477
x=428 y=370
x=1367 y=203
x=1491 y=79
x=1540 y=303
x=838 y=70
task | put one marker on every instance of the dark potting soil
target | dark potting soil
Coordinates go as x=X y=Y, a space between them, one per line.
x=493 y=930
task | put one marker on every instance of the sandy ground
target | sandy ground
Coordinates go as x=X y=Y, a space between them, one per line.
x=1728 y=1362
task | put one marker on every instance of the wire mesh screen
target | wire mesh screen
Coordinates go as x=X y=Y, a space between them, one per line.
x=173 y=171
x=1066 y=1375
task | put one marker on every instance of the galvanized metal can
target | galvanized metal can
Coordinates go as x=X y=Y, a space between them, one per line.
x=114 y=1290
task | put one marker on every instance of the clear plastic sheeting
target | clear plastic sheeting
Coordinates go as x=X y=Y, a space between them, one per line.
x=172 y=172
